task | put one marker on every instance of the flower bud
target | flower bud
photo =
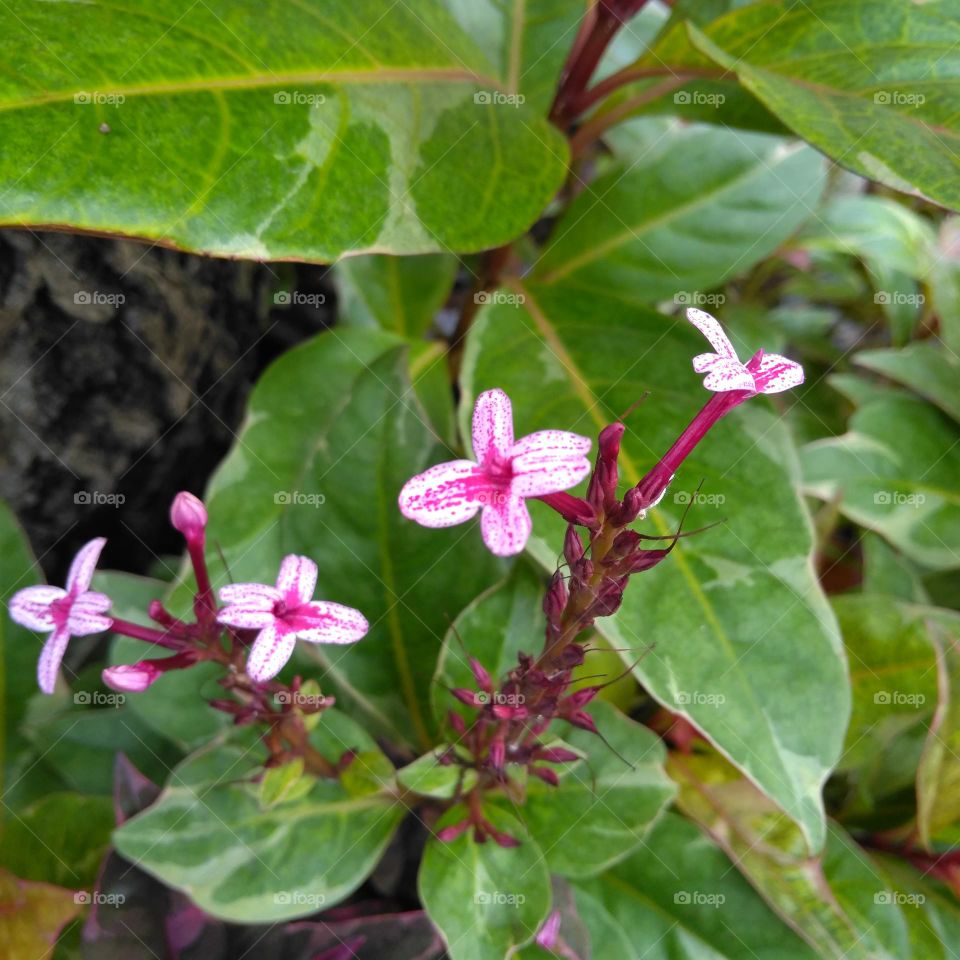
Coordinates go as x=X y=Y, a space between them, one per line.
x=498 y=753
x=549 y=933
x=188 y=515
x=481 y=676
x=456 y=722
x=557 y=755
x=555 y=598
x=572 y=545
x=547 y=775
x=131 y=677
x=449 y=834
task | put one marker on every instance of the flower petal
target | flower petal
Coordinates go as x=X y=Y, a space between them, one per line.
x=444 y=495
x=506 y=526
x=251 y=594
x=325 y=622
x=711 y=329
x=270 y=652
x=726 y=375
x=492 y=426
x=30 y=607
x=86 y=614
x=548 y=461
x=297 y=579
x=246 y=616
x=776 y=374
x=50 y=659
x=84 y=563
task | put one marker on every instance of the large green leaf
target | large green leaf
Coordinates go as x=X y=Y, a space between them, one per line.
x=487 y=900
x=210 y=835
x=333 y=431
x=896 y=472
x=304 y=132
x=733 y=629
x=679 y=898
x=835 y=901
x=686 y=218
x=868 y=83
x=604 y=805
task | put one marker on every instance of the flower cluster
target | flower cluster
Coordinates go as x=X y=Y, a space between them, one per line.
x=510 y=720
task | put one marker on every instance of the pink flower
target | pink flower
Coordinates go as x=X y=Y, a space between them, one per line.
x=506 y=473
x=763 y=373
x=284 y=613
x=74 y=612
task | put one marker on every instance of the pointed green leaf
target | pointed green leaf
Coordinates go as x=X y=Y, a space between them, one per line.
x=430 y=778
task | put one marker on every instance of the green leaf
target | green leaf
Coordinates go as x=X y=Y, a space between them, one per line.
x=400 y=294
x=503 y=621
x=430 y=778
x=685 y=220
x=333 y=431
x=19 y=648
x=887 y=571
x=831 y=900
x=527 y=41
x=485 y=899
x=60 y=839
x=731 y=630
x=325 y=128
x=209 y=836
x=869 y=84
x=606 y=804
x=679 y=898
x=938 y=777
x=284 y=784
x=895 y=472
x=926 y=367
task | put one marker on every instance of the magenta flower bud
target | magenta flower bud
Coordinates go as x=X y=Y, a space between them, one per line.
x=188 y=515
x=498 y=753
x=572 y=545
x=503 y=711
x=572 y=509
x=555 y=598
x=582 y=719
x=572 y=655
x=131 y=677
x=582 y=697
x=481 y=676
x=502 y=839
x=547 y=775
x=645 y=559
x=468 y=697
x=456 y=722
x=549 y=933
x=449 y=834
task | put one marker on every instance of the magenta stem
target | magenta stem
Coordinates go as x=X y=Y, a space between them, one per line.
x=147 y=634
x=204 y=605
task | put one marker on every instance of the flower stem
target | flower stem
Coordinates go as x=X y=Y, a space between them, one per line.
x=162 y=638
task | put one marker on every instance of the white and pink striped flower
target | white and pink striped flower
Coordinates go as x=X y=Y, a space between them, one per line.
x=763 y=373
x=75 y=612
x=504 y=475
x=285 y=613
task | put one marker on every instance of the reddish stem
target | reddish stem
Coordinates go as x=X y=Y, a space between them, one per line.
x=148 y=634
